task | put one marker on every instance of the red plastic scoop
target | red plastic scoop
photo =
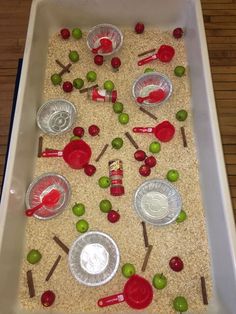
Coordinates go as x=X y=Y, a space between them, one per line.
x=152 y=97
x=165 y=54
x=137 y=293
x=105 y=46
x=164 y=131
x=49 y=200
x=76 y=154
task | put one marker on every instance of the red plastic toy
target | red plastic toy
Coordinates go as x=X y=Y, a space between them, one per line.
x=164 y=131
x=76 y=154
x=137 y=293
x=165 y=54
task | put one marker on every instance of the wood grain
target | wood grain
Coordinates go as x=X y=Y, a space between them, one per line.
x=219 y=17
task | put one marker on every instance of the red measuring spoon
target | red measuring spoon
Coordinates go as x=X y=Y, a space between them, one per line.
x=76 y=154
x=154 y=96
x=105 y=45
x=164 y=131
x=49 y=200
x=165 y=54
x=137 y=293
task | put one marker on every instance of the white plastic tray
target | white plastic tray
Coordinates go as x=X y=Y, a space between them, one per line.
x=46 y=18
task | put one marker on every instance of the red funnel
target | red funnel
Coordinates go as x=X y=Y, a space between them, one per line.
x=137 y=293
x=76 y=154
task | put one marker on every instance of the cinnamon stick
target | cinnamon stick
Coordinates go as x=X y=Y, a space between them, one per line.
x=84 y=90
x=40 y=146
x=65 y=68
x=183 y=136
x=151 y=115
x=146 y=52
x=146 y=258
x=30 y=283
x=204 y=291
x=101 y=153
x=54 y=266
x=61 y=244
x=145 y=236
x=132 y=141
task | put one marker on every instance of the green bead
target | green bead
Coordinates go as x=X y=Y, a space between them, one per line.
x=82 y=226
x=180 y=304
x=34 y=256
x=182 y=216
x=105 y=206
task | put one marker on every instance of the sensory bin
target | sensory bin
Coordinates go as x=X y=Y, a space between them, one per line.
x=188 y=239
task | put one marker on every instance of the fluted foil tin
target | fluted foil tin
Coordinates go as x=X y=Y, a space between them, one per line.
x=94 y=258
x=157 y=202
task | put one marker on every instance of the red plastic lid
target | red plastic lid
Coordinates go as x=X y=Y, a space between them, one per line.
x=114 y=96
x=117 y=190
x=165 y=131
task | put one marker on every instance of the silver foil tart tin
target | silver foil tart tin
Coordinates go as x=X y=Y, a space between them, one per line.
x=56 y=116
x=94 y=258
x=157 y=202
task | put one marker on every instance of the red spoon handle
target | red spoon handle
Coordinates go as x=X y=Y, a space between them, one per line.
x=52 y=153
x=112 y=299
x=31 y=211
x=143 y=130
x=148 y=59
x=95 y=50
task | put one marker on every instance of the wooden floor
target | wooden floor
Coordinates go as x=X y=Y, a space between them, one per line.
x=220 y=24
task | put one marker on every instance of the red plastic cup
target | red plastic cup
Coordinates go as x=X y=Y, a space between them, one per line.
x=76 y=154
x=165 y=54
x=164 y=131
x=138 y=294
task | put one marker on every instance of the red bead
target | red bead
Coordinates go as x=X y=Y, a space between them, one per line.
x=178 y=32
x=89 y=170
x=98 y=60
x=48 y=298
x=78 y=131
x=67 y=87
x=139 y=28
x=65 y=33
x=140 y=155
x=145 y=170
x=176 y=264
x=115 y=62
x=93 y=130
x=113 y=216
x=150 y=161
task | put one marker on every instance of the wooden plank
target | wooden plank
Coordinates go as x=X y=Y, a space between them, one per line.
x=229 y=149
x=222 y=18
x=225 y=12
x=221 y=26
x=221 y=46
x=218 y=77
x=222 y=54
x=228 y=140
x=221 y=40
x=222 y=61
x=221 y=32
x=218 y=6
x=225 y=94
x=233 y=191
x=216 y=1
x=230 y=159
x=229 y=86
x=231 y=170
x=232 y=180
x=223 y=69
